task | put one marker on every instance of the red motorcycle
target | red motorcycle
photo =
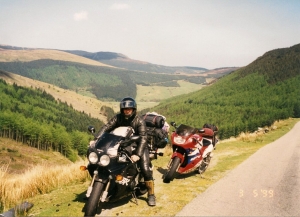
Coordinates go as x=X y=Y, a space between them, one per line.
x=192 y=150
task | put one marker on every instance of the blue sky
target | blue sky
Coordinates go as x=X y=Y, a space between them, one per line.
x=202 y=33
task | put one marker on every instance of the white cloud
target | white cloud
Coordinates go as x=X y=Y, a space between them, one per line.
x=119 y=6
x=82 y=15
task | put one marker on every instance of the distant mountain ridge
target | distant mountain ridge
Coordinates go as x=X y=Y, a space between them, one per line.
x=122 y=61
x=99 y=56
x=106 y=76
x=9 y=47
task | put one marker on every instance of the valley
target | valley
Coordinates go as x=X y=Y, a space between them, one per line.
x=147 y=96
x=236 y=103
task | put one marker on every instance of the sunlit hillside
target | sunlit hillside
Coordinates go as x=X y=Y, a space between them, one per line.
x=37 y=54
x=79 y=102
x=147 y=96
x=158 y=93
x=17 y=158
x=84 y=73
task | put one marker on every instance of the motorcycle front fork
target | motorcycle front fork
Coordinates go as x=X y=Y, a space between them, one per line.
x=90 y=188
x=105 y=192
x=170 y=162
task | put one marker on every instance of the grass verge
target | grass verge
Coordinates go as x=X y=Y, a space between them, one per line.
x=68 y=200
x=41 y=180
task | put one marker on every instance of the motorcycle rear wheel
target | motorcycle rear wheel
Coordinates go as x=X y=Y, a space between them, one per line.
x=93 y=202
x=170 y=175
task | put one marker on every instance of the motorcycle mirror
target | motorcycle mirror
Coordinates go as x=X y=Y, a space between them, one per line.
x=173 y=124
x=91 y=129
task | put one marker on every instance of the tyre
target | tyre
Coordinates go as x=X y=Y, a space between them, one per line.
x=170 y=175
x=93 y=202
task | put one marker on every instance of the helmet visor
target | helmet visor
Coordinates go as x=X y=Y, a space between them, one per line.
x=127 y=104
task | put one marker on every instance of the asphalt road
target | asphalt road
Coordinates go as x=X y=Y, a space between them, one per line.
x=266 y=184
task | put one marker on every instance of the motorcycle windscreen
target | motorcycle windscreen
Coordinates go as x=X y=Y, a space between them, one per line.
x=109 y=144
x=184 y=130
x=123 y=131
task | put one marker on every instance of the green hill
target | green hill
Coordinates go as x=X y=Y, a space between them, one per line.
x=86 y=73
x=254 y=96
x=277 y=65
x=103 y=82
x=33 y=117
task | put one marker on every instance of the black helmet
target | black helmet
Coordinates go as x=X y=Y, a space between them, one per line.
x=128 y=102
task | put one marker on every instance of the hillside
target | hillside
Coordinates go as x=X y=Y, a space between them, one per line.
x=277 y=65
x=122 y=61
x=27 y=55
x=36 y=118
x=17 y=158
x=88 y=76
x=249 y=97
x=79 y=102
x=105 y=83
x=253 y=96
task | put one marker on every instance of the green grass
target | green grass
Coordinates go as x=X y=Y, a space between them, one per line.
x=150 y=96
x=171 y=198
x=65 y=201
x=158 y=93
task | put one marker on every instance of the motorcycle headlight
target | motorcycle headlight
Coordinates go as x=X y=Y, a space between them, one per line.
x=179 y=140
x=104 y=160
x=93 y=157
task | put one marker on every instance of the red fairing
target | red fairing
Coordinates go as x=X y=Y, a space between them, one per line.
x=177 y=154
x=189 y=144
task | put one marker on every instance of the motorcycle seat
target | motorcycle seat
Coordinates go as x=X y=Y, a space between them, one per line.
x=208 y=133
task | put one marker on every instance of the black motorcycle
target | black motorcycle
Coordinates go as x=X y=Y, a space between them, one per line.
x=114 y=174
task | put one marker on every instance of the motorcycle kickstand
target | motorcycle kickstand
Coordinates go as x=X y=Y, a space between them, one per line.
x=135 y=198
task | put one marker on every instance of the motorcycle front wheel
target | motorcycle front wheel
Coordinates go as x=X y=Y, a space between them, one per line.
x=170 y=174
x=93 y=202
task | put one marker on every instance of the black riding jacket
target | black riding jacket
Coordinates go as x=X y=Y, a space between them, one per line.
x=136 y=122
